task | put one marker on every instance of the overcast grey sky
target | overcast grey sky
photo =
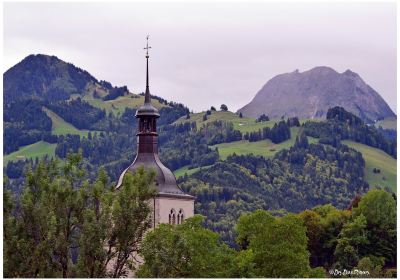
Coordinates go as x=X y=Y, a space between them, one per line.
x=206 y=54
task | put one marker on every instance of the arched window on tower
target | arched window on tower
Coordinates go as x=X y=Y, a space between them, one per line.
x=180 y=216
x=153 y=126
x=146 y=125
x=172 y=217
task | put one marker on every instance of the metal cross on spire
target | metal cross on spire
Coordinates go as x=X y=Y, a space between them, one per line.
x=147 y=46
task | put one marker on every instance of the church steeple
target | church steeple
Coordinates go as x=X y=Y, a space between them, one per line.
x=170 y=204
x=147 y=146
x=147 y=117
x=147 y=94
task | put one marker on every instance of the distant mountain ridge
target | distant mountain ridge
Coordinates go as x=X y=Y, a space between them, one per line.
x=311 y=93
x=44 y=76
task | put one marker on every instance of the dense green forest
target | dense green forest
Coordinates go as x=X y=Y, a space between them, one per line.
x=24 y=123
x=45 y=77
x=77 y=112
x=294 y=180
x=342 y=125
x=59 y=225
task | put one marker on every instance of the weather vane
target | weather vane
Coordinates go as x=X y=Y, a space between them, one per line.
x=147 y=46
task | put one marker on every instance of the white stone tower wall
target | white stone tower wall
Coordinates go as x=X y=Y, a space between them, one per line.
x=163 y=206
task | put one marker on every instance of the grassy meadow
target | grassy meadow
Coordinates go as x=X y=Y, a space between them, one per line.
x=38 y=149
x=61 y=127
x=243 y=124
x=264 y=147
x=118 y=105
x=185 y=170
x=389 y=123
x=375 y=158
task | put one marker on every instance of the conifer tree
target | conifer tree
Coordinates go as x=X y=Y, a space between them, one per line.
x=67 y=227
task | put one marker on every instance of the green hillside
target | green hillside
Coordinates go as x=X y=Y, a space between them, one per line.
x=215 y=115
x=185 y=170
x=243 y=124
x=388 y=123
x=375 y=158
x=264 y=147
x=42 y=148
x=243 y=147
x=249 y=124
x=44 y=77
x=38 y=149
x=118 y=105
x=61 y=127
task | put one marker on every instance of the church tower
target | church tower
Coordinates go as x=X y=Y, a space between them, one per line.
x=171 y=204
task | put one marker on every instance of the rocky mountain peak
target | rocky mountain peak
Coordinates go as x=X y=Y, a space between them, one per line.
x=311 y=93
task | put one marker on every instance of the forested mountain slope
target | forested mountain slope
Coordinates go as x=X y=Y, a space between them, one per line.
x=98 y=120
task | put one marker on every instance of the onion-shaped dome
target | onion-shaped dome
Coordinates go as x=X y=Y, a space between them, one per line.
x=147 y=110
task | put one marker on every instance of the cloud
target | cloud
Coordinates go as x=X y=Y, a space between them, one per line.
x=208 y=53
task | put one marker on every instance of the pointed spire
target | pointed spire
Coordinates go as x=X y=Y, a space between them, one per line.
x=147 y=94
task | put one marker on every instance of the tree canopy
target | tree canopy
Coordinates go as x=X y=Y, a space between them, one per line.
x=187 y=250
x=65 y=226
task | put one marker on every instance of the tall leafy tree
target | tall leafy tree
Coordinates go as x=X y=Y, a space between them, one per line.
x=314 y=231
x=66 y=227
x=279 y=245
x=379 y=209
x=371 y=267
x=187 y=250
x=352 y=236
x=131 y=217
x=96 y=226
x=43 y=226
x=332 y=221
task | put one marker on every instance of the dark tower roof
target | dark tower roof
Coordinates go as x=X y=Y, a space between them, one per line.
x=147 y=151
x=165 y=180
